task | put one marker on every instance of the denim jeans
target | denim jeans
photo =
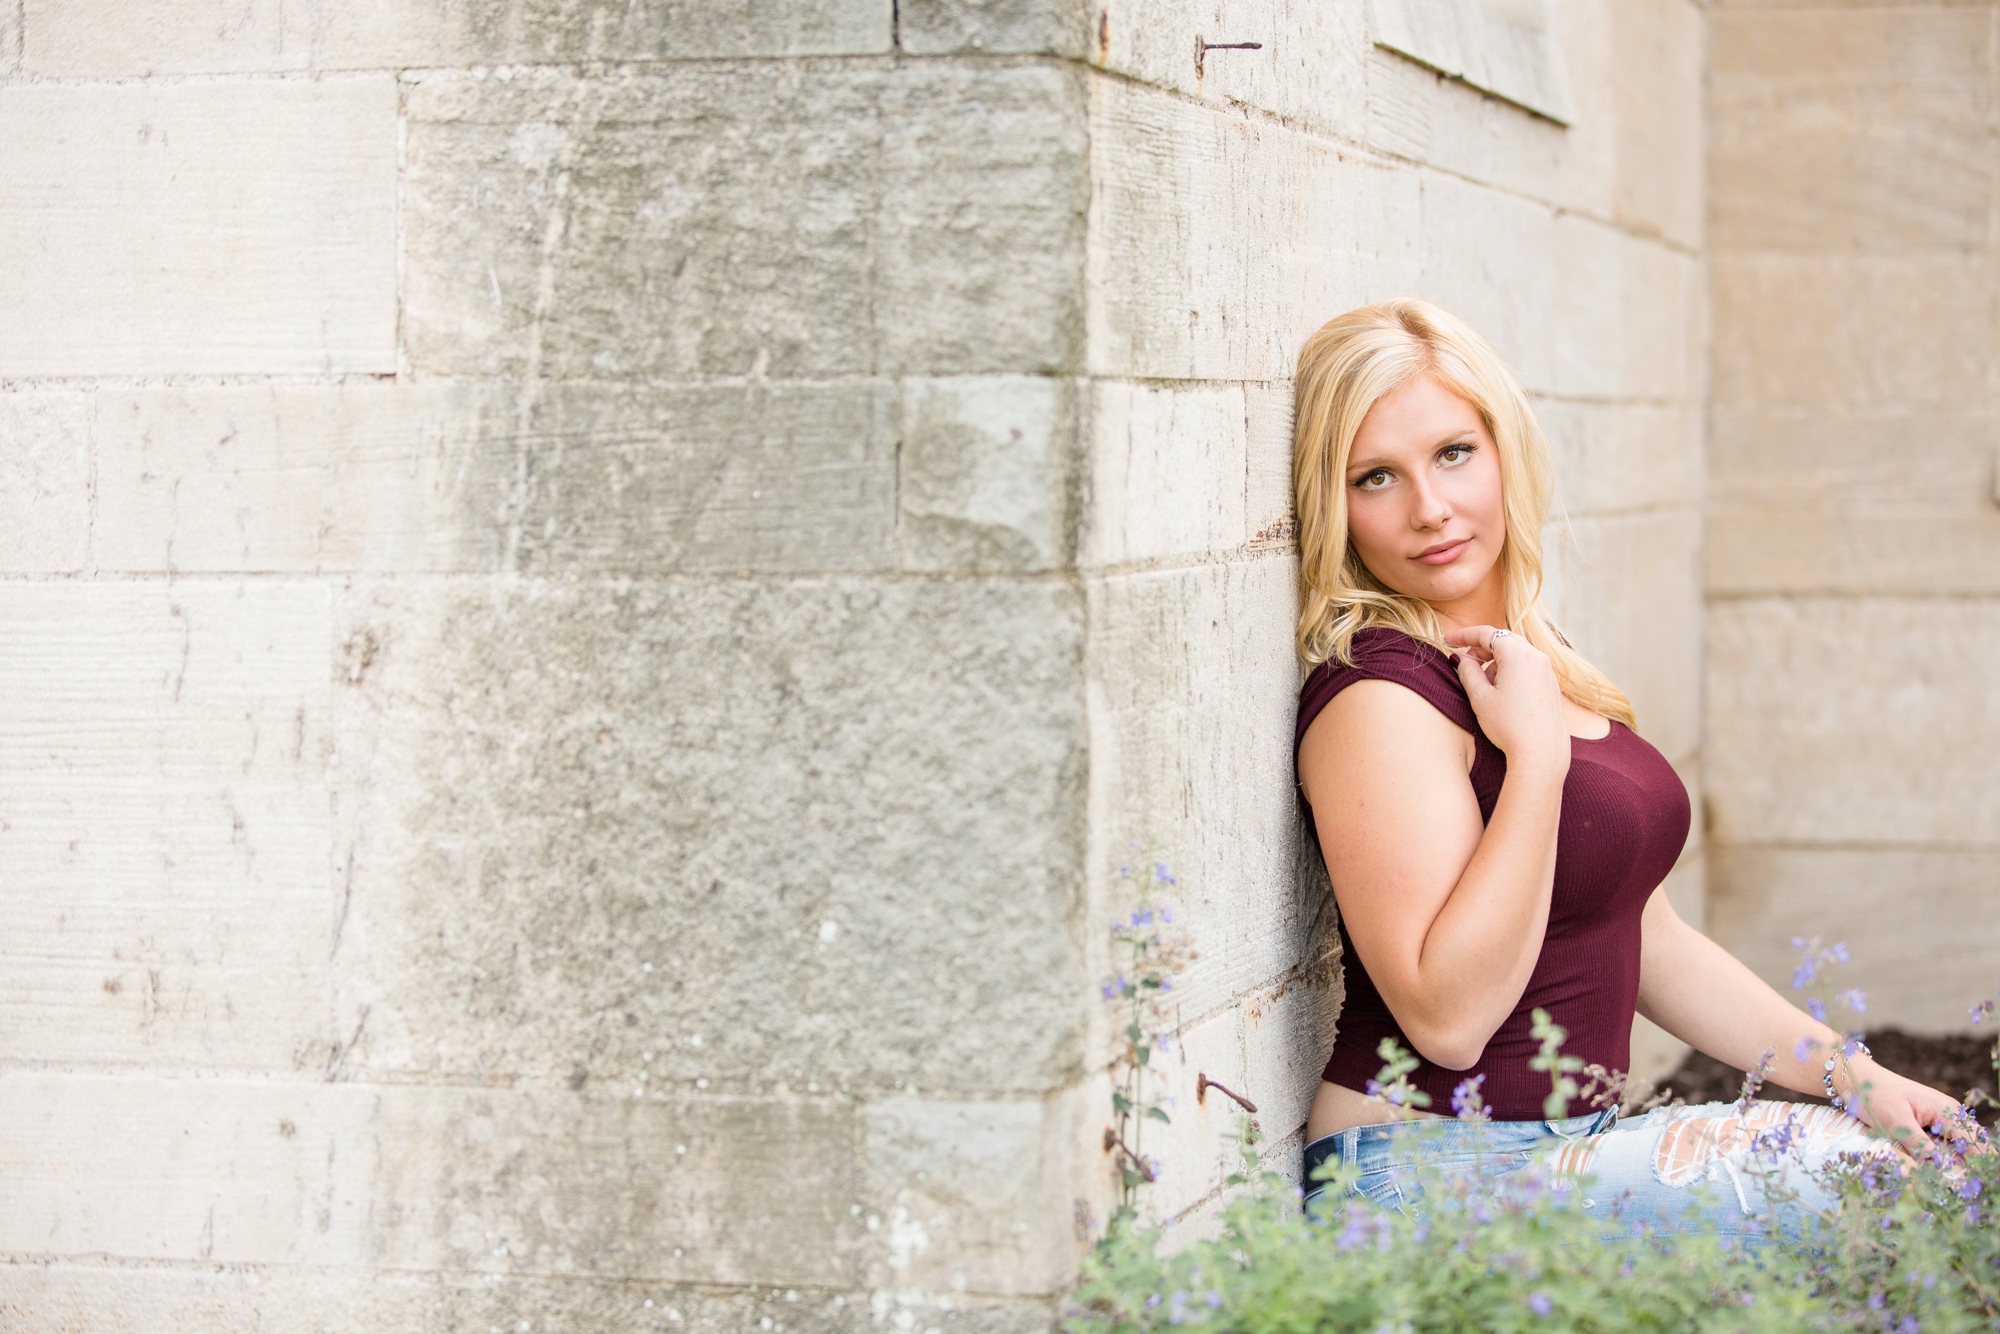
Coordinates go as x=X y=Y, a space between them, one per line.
x=1650 y=1168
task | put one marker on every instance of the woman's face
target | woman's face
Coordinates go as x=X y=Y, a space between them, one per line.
x=1423 y=501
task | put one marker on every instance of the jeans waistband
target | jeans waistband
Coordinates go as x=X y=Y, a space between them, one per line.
x=1428 y=1136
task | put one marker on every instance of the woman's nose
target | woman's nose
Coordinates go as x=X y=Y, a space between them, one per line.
x=1428 y=509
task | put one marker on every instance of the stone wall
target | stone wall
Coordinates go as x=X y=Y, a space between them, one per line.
x=593 y=593
x=1853 y=565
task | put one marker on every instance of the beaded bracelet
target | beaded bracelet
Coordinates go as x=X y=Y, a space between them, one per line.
x=1840 y=1054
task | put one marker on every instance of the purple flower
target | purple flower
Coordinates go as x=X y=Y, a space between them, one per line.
x=1142 y=917
x=1163 y=1044
x=1802 y=1050
x=1166 y=984
x=1875 y=1300
x=1167 y=916
x=1803 y=974
x=1109 y=990
x=1970 y=1190
x=1163 y=874
x=1980 y=1011
x=1214 y=1299
x=1839 y=952
x=1855 y=1000
x=1539 y=1303
x=1909 y=1326
x=1817 y=1008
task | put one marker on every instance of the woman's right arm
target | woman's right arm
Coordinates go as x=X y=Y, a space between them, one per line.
x=1447 y=915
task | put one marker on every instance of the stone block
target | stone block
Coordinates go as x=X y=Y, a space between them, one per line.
x=165 y=823
x=1852 y=720
x=968 y=1195
x=1511 y=52
x=47 y=1297
x=83 y=38
x=1805 y=502
x=1219 y=242
x=1658 y=63
x=1852 y=130
x=1613 y=457
x=474 y=1180
x=10 y=42
x=1268 y=444
x=1193 y=686
x=1168 y=472
x=1490 y=258
x=44 y=483
x=1918 y=921
x=1038 y=27
x=602 y=478
x=199 y=228
x=985 y=479
x=1851 y=333
x=1626 y=315
x=1630 y=599
x=714 y=220
x=871 y=789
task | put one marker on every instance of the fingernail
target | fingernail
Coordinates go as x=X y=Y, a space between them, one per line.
x=1454 y=660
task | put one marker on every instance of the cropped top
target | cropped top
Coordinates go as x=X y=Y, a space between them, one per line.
x=1624 y=820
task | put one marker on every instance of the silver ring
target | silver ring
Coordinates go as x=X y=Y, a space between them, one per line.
x=1497 y=636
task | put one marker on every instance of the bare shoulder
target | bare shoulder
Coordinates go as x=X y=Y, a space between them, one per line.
x=1376 y=730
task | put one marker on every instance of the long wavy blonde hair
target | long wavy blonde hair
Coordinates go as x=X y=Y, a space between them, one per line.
x=1347 y=366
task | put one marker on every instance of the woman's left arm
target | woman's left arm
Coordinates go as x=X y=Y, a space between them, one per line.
x=1703 y=995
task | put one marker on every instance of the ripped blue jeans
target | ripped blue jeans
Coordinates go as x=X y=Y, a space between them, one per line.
x=1650 y=1168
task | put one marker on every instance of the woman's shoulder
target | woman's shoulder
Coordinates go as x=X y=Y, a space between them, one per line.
x=1382 y=653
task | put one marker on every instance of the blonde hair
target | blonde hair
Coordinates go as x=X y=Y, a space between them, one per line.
x=1347 y=366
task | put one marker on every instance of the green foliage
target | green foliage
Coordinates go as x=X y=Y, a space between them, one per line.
x=1150 y=949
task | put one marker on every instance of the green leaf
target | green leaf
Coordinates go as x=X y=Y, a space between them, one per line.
x=1120 y=1103
x=1159 y=1114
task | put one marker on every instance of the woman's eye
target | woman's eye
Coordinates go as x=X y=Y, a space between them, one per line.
x=1373 y=481
x=1453 y=454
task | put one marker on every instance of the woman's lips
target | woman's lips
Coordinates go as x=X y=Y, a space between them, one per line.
x=1444 y=553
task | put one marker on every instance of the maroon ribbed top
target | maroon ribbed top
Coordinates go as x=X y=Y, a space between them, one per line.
x=1624 y=821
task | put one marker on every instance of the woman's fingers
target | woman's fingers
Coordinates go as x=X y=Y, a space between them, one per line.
x=1477 y=640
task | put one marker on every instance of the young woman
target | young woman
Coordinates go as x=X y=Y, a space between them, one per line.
x=1495 y=830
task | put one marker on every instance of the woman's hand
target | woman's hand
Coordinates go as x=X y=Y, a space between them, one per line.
x=1899 y=1106
x=1517 y=698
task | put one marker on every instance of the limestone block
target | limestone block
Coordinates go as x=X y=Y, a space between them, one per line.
x=1622 y=456
x=1268 y=443
x=1168 y=472
x=199 y=228
x=1626 y=314
x=714 y=220
x=1630 y=600
x=92 y=39
x=1852 y=720
x=1852 y=130
x=1219 y=242
x=1805 y=502
x=1851 y=333
x=48 y=1297
x=870 y=789
x=1193 y=690
x=469 y=1179
x=44 y=483
x=1919 y=922
x=985 y=473
x=1490 y=258
x=968 y=1195
x=1659 y=63
x=10 y=42
x=1508 y=51
x=943 y=27
x=165 y=824
x=757 y=475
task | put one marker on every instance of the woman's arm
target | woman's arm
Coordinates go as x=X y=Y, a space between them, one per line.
x=1703 y=995
x=1447 y=914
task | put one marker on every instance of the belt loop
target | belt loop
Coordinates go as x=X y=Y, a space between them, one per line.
x=1348 y=1141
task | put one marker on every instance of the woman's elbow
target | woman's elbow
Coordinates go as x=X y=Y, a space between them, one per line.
x=1448 y=1048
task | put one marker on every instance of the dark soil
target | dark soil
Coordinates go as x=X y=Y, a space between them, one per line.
x=1952 y=1063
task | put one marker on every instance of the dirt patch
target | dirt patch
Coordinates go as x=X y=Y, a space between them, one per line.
x=1953 y=1062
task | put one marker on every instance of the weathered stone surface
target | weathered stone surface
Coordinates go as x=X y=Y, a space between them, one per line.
x=165 y=824
x=91 y=39
x=199 y=228
x=10 y=42
x=1219 y=242
x=1629 y=597
x=1853 y=720
x=758 y=475
x=867 y=795
x=1613 y=457
x=1853 y=503
x=44 y=483
x=1490 y=258
x=1193 y=686
x=1852 y=333
x=962 y=1194
x=1168 y=472
x=1838 y=130
x=985 y=482
x=942 y=27
x=1659 y=60
x=483 y=1180
x=44 y=1297
x=1626 y=315
x=716 y=220
x=1891 y=906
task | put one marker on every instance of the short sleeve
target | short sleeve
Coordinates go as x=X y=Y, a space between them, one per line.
x=1383 y=654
